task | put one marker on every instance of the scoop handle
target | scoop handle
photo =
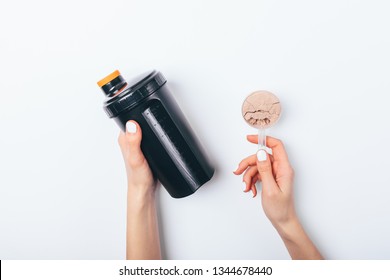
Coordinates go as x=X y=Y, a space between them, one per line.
x=262 y=139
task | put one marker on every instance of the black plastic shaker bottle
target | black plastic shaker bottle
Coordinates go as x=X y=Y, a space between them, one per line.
x=170 y=146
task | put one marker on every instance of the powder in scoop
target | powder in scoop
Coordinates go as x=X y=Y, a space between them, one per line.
x=261 y=109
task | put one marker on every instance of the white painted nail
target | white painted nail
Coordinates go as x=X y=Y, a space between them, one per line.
x=131 y=127
x=261 y=155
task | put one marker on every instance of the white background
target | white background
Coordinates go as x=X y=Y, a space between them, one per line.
x=62 y=180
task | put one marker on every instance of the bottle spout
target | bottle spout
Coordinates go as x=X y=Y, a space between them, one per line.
x=112 y=83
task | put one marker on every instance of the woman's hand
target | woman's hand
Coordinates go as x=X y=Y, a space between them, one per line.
x=139 y=176
x=142 y=241
x=277 y=176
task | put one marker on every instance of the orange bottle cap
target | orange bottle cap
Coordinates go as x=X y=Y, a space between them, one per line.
x=109 y=78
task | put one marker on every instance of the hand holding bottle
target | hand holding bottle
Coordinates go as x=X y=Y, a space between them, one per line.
x=143 y=240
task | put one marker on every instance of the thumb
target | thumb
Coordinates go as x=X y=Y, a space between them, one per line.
x=265 y=169
x=133 y=139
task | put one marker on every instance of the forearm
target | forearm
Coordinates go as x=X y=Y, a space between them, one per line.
x=143 y=240
x=297 y=242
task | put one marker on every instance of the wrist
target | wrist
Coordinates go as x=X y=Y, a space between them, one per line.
x=289 y=229
x=297 y=242
x=140 y=195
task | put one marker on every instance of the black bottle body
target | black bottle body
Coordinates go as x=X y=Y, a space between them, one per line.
x=170 y=146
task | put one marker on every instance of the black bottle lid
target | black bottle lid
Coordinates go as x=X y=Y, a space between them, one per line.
x=123 y=96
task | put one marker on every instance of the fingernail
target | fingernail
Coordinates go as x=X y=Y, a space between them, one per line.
x=131 y=127
x=261 y=155
x=254 y=191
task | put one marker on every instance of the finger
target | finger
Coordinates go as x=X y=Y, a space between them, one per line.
x=254 y=181
x=133 y=137
x=256 y=178
x=122 y=140
x=252 y=138
x=248 y=177
x=243 y=165
x=254 y=190
x=278 y=150
x=265 y=170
